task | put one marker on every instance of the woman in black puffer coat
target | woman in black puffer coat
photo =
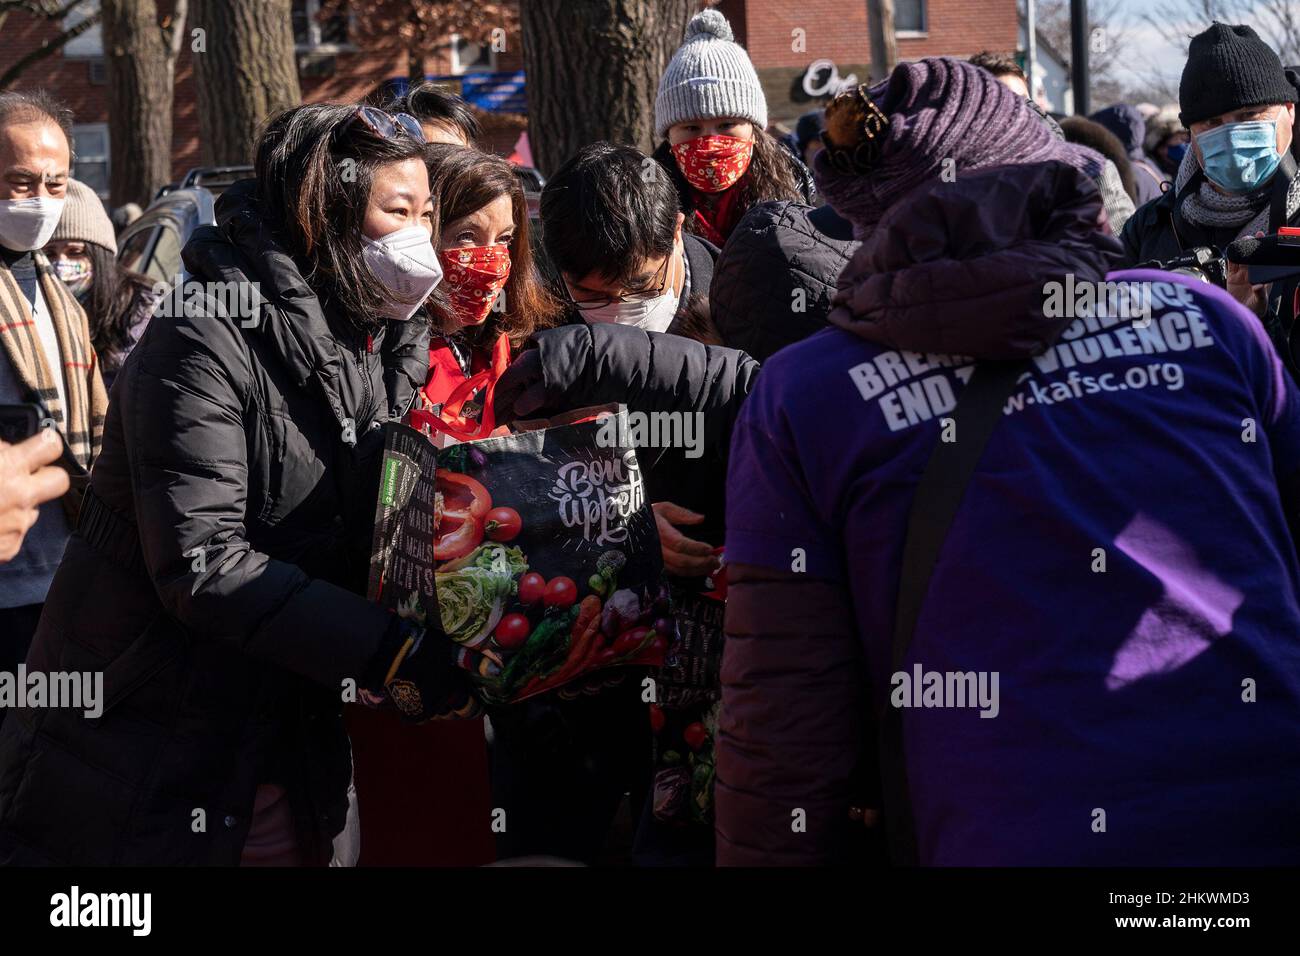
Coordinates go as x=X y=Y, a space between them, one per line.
x=217 y=576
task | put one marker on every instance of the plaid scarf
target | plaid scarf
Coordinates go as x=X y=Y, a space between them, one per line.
x=82 y=422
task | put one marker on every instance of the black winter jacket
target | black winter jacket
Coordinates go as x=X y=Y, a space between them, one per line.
x=1158 y=230
x=656 y=372
x=215 y=580
x=777 y=273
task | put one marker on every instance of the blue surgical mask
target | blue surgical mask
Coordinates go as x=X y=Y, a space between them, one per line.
x=1240 y=157
x=1176 y=153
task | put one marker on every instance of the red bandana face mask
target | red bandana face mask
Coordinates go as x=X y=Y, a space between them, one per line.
x=473 y=277
x=713 y=163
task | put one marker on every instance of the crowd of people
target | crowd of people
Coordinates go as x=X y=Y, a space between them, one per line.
x=913 y=468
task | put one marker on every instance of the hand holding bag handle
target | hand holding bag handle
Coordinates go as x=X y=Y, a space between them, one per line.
x=938 y=496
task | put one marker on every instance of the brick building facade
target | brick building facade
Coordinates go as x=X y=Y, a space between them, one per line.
x=785 y=37
x=339 y=63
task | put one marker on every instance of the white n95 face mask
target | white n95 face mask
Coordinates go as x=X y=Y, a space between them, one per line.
x=407 y=264
x=652 y=315
x=27 y=224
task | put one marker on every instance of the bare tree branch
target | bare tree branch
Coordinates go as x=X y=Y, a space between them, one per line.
x=50 y=46
x=1276 y=21
x=45 y=9
x=1108 y=46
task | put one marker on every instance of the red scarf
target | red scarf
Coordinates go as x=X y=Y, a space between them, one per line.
x=716 y=224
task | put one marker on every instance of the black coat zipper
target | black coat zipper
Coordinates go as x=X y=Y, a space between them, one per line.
x=367 y=387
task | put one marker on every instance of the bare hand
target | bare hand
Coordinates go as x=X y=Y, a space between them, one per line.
x=683 y=556
x=27 y=480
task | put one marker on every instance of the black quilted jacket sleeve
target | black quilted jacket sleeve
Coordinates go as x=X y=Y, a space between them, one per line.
x=773 y=282
x=647 y=371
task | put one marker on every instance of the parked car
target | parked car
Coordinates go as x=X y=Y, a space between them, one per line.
x=152 y=244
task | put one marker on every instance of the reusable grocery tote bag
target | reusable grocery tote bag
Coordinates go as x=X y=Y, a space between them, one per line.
x=537 y=552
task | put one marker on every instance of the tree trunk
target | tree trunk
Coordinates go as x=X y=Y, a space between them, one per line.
x=593 y=69
x=884 y=45
x=245 y=72
x=140 y=58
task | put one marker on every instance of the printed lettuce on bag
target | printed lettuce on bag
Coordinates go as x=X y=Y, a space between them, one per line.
x=537 y=552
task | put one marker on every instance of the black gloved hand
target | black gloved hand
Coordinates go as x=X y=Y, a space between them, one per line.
x=417 y=671
x=521 y=390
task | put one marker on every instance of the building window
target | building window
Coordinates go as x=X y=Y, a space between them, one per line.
x=90 y=146
x=910 y=18
x=88 y=46
x=314 y=35
x=470 y=57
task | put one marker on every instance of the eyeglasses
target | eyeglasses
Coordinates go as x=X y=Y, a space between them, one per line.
x=387 y=125
x=630 y=297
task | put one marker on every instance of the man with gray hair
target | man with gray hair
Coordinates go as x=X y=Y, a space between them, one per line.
x=46 y=357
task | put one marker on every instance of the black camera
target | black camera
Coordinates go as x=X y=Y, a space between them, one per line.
x=1274 y=261
x=1203 y=262
x=1274 y=258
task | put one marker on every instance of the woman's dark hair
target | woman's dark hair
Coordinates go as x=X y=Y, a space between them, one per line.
x=1086 y=132
x=429 y=104
x=315 y=167
x=464 y=181
x=113 y=301
x=607 y=210
x=770 y=176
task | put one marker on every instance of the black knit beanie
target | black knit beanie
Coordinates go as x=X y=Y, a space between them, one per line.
x=1230 y=68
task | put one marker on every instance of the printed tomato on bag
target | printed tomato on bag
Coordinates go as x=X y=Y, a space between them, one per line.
x=536 y=551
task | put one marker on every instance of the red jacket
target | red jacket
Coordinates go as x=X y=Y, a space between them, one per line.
x=445 y=372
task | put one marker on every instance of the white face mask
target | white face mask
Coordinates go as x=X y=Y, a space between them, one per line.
x=652 y=315
x=407 y=264
x=27 y=224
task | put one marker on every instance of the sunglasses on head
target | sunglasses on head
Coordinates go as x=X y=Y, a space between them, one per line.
x=387 y=125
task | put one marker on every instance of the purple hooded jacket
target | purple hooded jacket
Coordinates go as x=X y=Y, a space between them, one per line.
x=1119 y=575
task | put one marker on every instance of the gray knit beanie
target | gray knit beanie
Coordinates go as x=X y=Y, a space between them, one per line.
x=84 y=218
x=709 y=76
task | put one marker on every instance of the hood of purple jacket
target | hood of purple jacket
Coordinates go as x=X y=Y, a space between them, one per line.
x=960 y=268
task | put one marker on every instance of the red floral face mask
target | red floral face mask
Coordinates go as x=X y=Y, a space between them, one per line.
x=473 y=277
x=713 y=163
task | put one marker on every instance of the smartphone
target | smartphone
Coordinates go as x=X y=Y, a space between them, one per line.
x=19 y=422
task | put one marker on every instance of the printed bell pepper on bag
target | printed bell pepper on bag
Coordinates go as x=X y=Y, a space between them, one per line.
x=537 y=551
